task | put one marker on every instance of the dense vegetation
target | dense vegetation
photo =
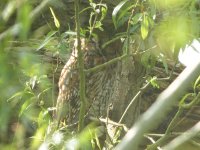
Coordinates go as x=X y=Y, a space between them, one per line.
x=36 y=40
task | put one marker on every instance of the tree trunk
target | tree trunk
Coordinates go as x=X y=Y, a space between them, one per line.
x=112 y=89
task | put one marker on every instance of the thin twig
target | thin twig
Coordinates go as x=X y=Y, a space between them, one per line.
x=95 y=19
x=133 y=100
x=128 y=34
x=152 y=140
x=102 y=66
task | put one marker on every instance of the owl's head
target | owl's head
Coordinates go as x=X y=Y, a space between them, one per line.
x=88 y=44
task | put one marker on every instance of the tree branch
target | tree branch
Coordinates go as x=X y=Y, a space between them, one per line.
x=99 y=67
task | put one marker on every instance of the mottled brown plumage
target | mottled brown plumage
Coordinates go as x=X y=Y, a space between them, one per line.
x=68 y=102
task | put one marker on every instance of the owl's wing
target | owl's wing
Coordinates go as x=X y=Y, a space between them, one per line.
x=66 y=107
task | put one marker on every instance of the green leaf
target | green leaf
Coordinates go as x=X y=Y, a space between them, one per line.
x=121 y=21
x=9 y=10
x=47 y=39
x=18 y=94
x=56 y=21
x=103 y=12
x=98 y=24
x=148 y=60
x=116 y=11
x=164 y=61
x=196 y=82
x=136 y=18
x=154 y=83
x=124 y=11
x=144 y=27
x=33 y=81
x=43 y=117
x=68 y=33
x=28 y=103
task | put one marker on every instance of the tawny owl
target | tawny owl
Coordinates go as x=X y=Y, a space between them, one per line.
x=68 y=102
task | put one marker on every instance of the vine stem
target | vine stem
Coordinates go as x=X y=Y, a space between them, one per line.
x=133 y=100
x=81 y=69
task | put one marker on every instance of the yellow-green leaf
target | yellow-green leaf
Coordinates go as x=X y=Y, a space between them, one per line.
x=144 y=27
x=56 y=21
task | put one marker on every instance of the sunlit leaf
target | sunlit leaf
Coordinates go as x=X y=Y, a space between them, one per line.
x=144 y=27
x=47 y=39
x=103 y=12
x=98 y=24
x=136 y=18
x=38 y=138
x=9 y=10
x=43 y=118
x=56 y=21
x=25 y=106
x=18 y=94
x=33 y=81
x=67 y=33
x=154 y=83
x=116 y=11
x=197 y=82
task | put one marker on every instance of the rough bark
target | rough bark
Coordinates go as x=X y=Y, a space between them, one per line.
x=114 y=89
